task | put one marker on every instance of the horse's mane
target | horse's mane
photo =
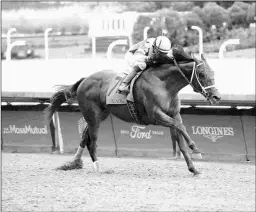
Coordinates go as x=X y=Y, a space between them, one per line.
x=180 y=55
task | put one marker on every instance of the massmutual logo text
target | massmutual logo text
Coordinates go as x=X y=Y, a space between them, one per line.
x=213 y=133
x=27 y=129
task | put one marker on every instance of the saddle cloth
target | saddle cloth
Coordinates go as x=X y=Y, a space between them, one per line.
x=114 y=97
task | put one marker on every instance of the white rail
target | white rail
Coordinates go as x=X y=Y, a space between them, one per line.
x=200 y=31
x=223 y=46
x=113 y=44
x=46 y=43
x=10 y=47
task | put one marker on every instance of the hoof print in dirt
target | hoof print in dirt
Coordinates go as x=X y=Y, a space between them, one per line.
x=197 y=175
x=109 y=172
x=76 y=164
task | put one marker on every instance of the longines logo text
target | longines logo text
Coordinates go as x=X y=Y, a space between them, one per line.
x=140 y=132
x=25 y=130
x=213 y=133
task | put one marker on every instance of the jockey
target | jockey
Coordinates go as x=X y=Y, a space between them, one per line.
x=142 y=54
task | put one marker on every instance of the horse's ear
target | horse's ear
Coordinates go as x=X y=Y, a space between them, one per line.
x=202 y=57
x=193 y=56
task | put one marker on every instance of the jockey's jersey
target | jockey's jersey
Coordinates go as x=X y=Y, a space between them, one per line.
x=144 y=47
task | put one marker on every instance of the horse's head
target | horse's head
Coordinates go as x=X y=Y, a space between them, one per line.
x=202 y=80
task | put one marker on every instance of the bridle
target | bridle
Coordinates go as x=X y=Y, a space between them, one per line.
x=194 y=73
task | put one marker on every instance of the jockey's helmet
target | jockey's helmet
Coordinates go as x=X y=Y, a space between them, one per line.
x=162 y=44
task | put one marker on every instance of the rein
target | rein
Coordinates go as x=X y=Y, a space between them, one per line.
x=203 y=92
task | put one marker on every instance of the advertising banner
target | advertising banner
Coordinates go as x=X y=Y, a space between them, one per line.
x=25 y=129
x=216 y=134
x=249 y=123
x=146 y=140
x=72 y=125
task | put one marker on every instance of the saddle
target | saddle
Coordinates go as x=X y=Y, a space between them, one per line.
x=114 y=97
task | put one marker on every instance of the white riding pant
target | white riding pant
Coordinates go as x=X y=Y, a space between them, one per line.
x=135 y=60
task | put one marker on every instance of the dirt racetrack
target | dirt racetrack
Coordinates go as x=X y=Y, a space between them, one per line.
x=30 y=183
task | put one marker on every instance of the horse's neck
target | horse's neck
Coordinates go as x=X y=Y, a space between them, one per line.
x=173 y=78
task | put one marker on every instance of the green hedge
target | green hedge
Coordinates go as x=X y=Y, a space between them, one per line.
x=178 y=26
x=246 y=36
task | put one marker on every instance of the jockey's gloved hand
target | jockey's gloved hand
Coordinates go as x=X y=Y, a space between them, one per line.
x=152 y=59
x=156 y=56
x=161 y=59
x=149 y=60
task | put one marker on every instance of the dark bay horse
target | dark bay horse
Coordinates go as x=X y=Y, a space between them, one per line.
x=155 y=96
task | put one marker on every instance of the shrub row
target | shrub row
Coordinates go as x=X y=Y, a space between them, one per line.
x=178 y=26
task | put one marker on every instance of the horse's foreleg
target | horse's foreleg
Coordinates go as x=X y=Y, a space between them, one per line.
x=183 y=149
x=196 y=153
x=165 y=120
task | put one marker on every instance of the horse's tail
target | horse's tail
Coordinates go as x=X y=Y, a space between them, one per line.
x=64 y=93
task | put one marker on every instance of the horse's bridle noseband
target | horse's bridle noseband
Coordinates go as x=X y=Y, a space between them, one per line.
x=204 y=89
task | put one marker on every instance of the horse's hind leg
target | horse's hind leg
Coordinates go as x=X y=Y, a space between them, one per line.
x=84 y=141
x=91 y=145
x=93 y=117
x=89 y=138
x=77 y=162
x=174 y=136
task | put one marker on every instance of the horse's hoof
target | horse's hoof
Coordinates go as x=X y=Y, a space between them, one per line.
x=181 y=156
x=96 y=166
x=197 y=156
x=76 y=164
x=177 y=157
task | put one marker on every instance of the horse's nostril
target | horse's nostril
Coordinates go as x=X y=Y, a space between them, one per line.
x=216 y=97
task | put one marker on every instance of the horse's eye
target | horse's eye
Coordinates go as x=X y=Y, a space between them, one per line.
x=201 y=75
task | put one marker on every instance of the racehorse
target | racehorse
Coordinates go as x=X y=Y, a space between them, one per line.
x=155 y=95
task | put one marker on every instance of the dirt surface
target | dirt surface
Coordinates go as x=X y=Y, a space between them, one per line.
x=30 y=183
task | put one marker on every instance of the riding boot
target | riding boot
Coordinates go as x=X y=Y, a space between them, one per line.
x=124 y=87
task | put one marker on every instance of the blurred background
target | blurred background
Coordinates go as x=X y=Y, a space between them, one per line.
x=73 y=24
